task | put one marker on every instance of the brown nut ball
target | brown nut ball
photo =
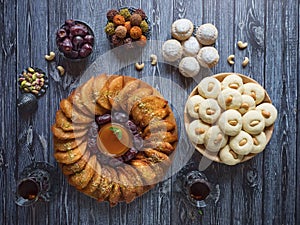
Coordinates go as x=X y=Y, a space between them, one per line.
x=128 y=26
x=110 y=28
x=116 y=41
x=111 y=14
x=135 y=20
x=128 y=43
x=119 y=20
x=141 y=13
x=121 y=31
x=142 y=41
x=144 y=26
x=126 y=13
x=135 y=32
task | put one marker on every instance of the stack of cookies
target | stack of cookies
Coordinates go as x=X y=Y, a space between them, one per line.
x=229 y=118
x=191 y=51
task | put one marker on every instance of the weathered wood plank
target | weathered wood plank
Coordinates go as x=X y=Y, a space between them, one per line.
x=249 y=27
x=215 y=12
x=8 y=114
x=280 y=76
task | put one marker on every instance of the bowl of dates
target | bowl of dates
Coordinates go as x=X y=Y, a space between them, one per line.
x=75 y=39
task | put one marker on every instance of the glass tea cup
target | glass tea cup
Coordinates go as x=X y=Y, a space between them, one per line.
x=197 y=188
x=35 y=184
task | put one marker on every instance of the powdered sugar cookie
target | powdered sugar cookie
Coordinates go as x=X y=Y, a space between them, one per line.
x=209 y=111
x=182 y=29
x=230 y=99
x=230 y=122
x=197 y=131
x=207 y=34
x=229 y=157
x=172 y=50
x=191 y=47
x=256 y=91
x=209 y=87
x=215 y=139
x=269 y=112
x=259 y=142
x=193 y=105
x=242 y=143
x=189 y=67
x=253 y=122
x=208 y=57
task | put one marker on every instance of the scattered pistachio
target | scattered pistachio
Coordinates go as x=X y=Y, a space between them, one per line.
x=32 y=80
x=31 y=70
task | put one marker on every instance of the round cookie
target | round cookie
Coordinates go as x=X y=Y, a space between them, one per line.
x=230 y=122
x=209 y=87
x=209 y=111
x=191 y=47
x=208 y=57
x=229 y=157
x=242 y=143
x=197 y=131
x=259 y=142
x=189 y=67
x=253 y=122
x=172 y=50
x=215 y=139
x=193 y=105
x=182 y=29
x=207 y=34
x=248 y=103
x=233 y=81
x=230 y=99
x=269 y=112
x=256 y=91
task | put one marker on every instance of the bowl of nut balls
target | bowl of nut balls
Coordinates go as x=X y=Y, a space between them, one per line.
x=75 y=39
x=127 y=26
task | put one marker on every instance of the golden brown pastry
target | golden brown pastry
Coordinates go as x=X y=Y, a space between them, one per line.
x=76 y=166
x=87 y=98
x=66 y=145
x=76 y=133
x=72 y=113
x=115 y=195
x=71 y=156
x=80 y=180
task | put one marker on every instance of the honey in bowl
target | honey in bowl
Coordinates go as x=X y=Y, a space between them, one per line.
x=114 y=139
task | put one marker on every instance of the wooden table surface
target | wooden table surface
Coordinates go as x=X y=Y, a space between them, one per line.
x=264 y=190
